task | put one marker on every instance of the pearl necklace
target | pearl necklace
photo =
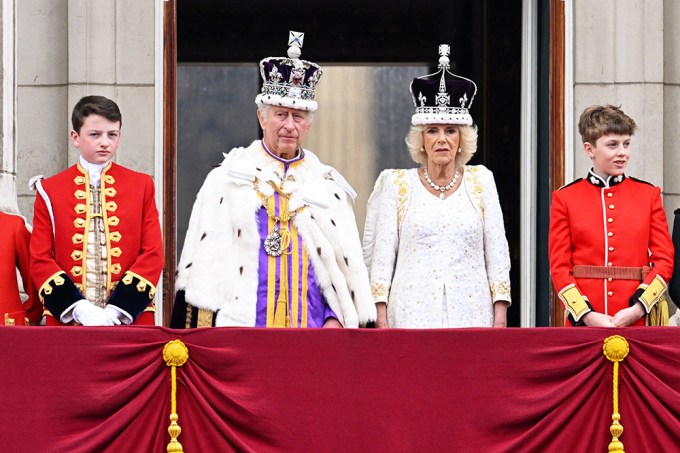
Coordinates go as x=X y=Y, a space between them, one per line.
x=441 y=189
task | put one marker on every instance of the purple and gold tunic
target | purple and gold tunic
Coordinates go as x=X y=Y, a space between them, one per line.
x=306 y=305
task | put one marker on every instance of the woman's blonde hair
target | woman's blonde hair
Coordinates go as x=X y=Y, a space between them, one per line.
x=467 y=143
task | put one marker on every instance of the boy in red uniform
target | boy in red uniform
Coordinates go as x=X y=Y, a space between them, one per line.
x=14 y=254
x=610 y=252
x=96 y=248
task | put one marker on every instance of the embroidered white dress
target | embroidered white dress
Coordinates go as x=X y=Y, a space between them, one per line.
x=437 y=263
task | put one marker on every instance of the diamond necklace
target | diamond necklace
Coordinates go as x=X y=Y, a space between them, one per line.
x=441 y=189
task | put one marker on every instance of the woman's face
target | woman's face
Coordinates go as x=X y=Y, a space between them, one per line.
x=441 y=143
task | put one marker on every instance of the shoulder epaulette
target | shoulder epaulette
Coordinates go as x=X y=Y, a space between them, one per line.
x=640 y=180
x=573 y=182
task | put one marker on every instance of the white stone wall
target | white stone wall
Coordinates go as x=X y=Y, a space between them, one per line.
x=618 y=59
x=67 y=49
x=671 y=116
x=8 y=199
x=671 y=98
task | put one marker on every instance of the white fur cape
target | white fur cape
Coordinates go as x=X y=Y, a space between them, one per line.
x=218 y=269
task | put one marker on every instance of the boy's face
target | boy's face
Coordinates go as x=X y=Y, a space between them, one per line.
x=609 y=154
x=98 y=139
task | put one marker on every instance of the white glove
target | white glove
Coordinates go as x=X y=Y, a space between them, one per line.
x=88 y=314
x=113 y=314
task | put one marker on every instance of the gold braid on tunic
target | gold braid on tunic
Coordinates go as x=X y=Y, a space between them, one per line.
x=278 y=243
x=96 y=277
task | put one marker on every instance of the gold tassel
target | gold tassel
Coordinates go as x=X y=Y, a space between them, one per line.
x=281 y=313
x=616 y=349
x=175 y=353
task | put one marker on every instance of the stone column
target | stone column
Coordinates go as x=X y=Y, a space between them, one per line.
x=8 y=196
x=671 y=117
x=42 y=86
x=69 y=49
x=111 y=52
x=671 y=98
x=618 y=59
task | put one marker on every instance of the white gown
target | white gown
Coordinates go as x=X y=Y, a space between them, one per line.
x=437 y=263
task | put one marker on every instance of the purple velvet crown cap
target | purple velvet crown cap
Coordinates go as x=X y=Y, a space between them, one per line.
x=442 y=97
x=289 y=81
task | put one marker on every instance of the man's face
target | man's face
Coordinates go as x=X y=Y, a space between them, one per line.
x=98 y=139
x=284 y=129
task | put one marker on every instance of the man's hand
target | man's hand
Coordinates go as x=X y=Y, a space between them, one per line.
x=88 y=314
x=628 y=316
x=332 y=323
x=113 y=315
x=381 y=321
x=595 y=319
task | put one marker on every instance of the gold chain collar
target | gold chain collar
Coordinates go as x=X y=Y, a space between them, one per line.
x=285 y=214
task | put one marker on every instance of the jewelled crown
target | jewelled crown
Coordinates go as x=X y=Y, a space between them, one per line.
x=289 y=82
x=442 y=97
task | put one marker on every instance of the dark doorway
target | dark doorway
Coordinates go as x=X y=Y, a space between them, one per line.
x=219 y=44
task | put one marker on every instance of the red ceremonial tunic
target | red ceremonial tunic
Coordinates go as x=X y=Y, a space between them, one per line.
x=14 y=254
x=133 y=240
x=617 y=224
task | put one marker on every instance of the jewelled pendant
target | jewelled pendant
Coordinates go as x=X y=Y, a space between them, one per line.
x=441 y=195
x=272 y=243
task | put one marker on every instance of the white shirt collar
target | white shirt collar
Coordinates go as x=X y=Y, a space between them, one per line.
x=94 y=170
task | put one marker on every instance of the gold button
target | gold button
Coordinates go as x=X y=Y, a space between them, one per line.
x=610 y=234
x=611 y=206
x=610 y=293
x=610 y=194
x=610 y=220
x=609 y=264
x=611 y=249
x=610 y=279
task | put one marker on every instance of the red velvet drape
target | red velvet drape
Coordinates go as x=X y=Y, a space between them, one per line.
x=463 y=390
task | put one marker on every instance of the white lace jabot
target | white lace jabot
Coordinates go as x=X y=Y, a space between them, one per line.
x=95 y=170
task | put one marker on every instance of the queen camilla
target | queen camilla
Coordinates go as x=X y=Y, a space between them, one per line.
x=434 y=241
